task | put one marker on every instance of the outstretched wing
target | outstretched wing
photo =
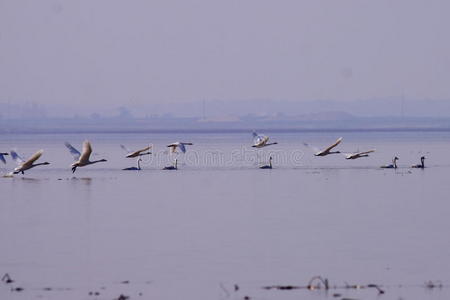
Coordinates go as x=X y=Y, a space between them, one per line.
x=173 y=147
x=182 y=148
x=144 y=149
x=315 y=149
x=366 y=152
x=34 y=158
x=75 y=153
x=87 y=150
x=19 y=160
x=338 y=141
x=125 y=149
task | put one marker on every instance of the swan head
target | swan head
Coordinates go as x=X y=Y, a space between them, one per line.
x=102 y=160
x=46 y=163
x=396 y=158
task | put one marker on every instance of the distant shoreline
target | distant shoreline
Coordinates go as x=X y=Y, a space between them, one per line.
x=220 y=131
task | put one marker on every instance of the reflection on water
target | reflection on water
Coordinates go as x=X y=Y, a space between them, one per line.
x=203 y=230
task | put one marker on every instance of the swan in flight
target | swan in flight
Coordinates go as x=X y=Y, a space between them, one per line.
x=327 y=150
x=137 y=153
x=391 y=166
x=260 y=140
x=173 y=147
x=26 y=165
x=82 y=159
x=358 y=154
x=2 y=157
x=269 y=166
x=138 y=168
x=421 y=165
x=174 y=167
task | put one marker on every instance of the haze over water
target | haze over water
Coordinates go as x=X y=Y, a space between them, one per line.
x=220 y=221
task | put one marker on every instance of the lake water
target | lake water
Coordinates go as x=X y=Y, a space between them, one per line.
x=219 y=221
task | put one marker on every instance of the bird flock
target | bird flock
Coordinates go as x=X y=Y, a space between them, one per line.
x=82 y=159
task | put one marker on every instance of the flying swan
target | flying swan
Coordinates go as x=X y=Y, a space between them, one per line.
x=260 y=140
x=26 y=165
x=325 y=151
x=358 y=154
x=137 y=153
x=181 y=145
x=82 y=159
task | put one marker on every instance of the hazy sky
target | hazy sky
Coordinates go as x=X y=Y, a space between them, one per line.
x=108 y=53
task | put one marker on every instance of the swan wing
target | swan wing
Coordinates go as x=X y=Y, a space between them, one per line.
x=2 y=158
x=19 y=160
x=125 y=149
x=144 y=149
x=33 y=158
x=313 y=148
x=366 y=152
x=75 y=153
x=182 y=148
x=138 y=152
x=338 y=141
x=87 y=150
x=173 y=147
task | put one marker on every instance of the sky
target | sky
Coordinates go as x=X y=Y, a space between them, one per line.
x=98 y=55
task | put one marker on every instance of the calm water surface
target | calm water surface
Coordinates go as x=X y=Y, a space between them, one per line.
x=220 y=221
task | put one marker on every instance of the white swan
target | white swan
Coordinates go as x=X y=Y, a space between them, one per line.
x=174 y=167
x=26 y=165
x=138 y=168
x=2 y=157
x=421 y=165
x=82 y=159
x=260 y=140
x=391 y=166
x=269 y=166
x=356 y=155
x=137 y=153
x=173 y=147
x=327 y=150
